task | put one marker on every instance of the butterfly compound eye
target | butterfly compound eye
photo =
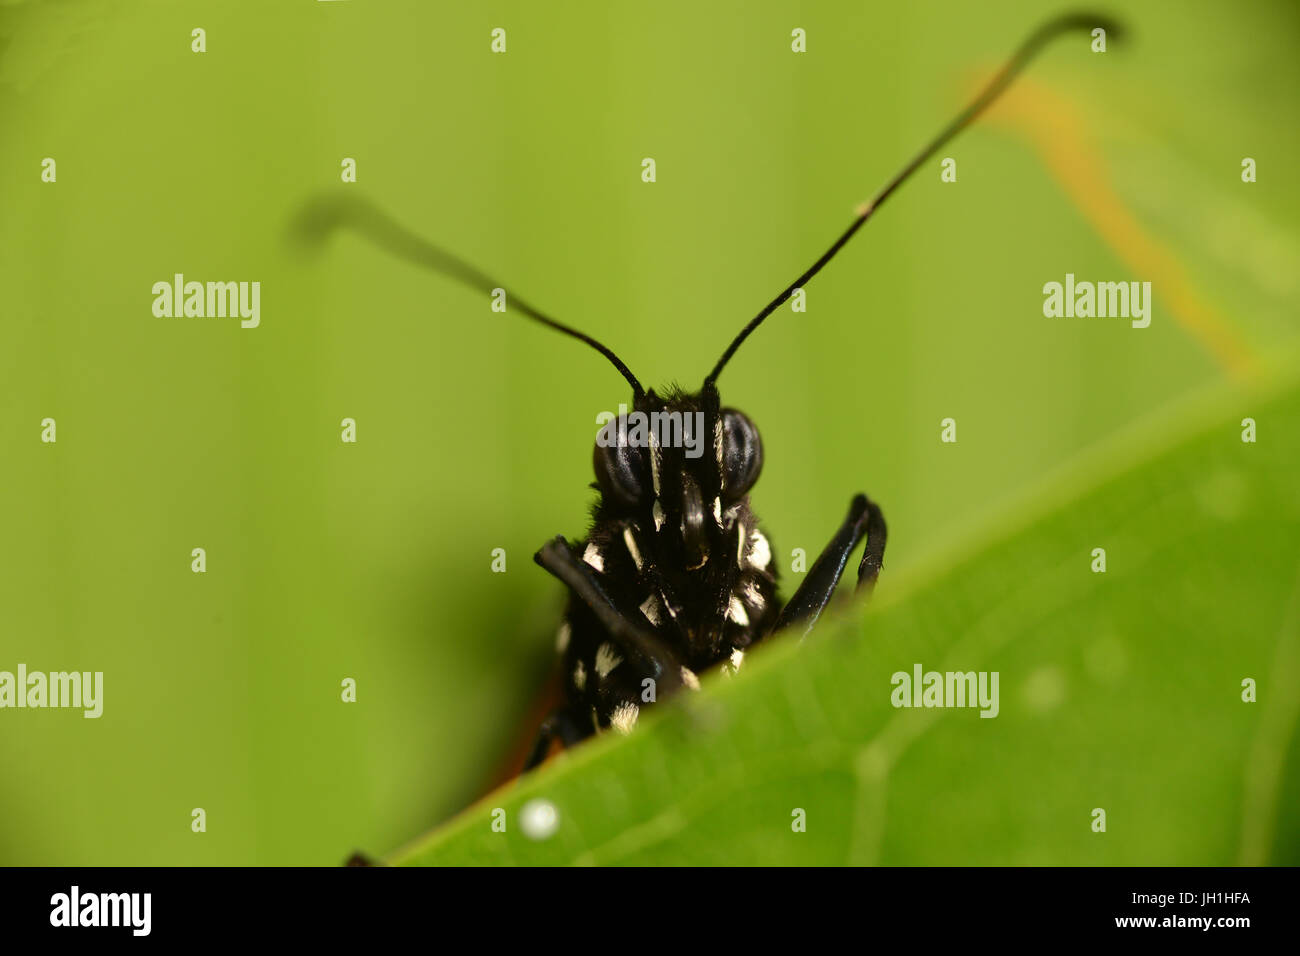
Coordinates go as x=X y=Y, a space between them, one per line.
x=621 y=472
x=742 y=453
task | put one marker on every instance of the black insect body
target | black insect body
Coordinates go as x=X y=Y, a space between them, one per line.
x=676 y=576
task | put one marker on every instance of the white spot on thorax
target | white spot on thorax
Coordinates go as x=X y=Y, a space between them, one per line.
x=717 y=511
x=654 y=462
x=657 y=512
x=562 y=637
x=717 y=451
x=760 y=552
x=630 y=540
x=736 y=612
x=623 y=719
x=672 y=611
x=650 y=608
x=733 y=663
x=593 y=557
x=753 y=596
x=606 y=659
x=580 y=676
x=689 y=680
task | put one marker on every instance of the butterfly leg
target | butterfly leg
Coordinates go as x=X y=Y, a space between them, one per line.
x=637 y=642
x=864 y=520
x=559 y=725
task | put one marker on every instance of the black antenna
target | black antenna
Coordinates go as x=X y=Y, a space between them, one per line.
x=1040 y=38
x=328 y=213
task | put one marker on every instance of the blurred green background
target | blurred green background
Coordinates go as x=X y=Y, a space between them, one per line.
x=372 y=561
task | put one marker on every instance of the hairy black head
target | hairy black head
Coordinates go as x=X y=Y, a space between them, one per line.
x=677 y=462
x=673 y=521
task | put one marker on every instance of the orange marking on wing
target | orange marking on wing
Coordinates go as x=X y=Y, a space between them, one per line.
x=548 y=699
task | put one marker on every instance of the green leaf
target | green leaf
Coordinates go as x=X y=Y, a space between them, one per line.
x=1119 y=690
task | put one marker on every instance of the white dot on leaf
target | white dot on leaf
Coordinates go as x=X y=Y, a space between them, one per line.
x=539 y=819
